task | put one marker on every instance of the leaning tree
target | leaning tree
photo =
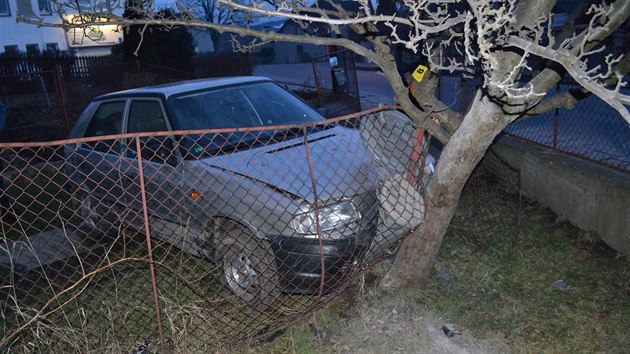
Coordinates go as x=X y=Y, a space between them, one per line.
x=513 y=46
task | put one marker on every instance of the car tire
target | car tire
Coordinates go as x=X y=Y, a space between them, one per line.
x=248 y=268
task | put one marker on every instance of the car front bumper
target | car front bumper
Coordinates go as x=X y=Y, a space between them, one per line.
x=299 y=262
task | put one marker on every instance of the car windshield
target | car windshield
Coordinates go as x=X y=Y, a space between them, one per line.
x=252 y=105
x=244 y=106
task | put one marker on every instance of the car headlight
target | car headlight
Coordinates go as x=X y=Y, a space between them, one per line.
x=330 y=217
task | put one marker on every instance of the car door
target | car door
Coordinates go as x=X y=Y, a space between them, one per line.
x=98 y=162
x=159 y=159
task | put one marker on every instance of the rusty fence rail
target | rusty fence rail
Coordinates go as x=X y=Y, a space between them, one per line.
x=202 y=240
x=592 y=130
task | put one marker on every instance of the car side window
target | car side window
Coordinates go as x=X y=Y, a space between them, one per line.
x=146 y=116
x=107 y=120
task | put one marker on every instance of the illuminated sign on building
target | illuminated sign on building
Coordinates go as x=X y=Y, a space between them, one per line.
x=93 y=36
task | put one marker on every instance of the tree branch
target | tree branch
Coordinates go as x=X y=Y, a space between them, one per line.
x=401 y=92
x=346 y=20
x=571 y=63
x=551 y=75
x=424 y=93
x=568 y=100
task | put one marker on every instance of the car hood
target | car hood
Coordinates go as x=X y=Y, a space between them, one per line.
x=340 y=165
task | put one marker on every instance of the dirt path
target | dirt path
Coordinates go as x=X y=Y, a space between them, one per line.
x=399 y=327
x=364 y=320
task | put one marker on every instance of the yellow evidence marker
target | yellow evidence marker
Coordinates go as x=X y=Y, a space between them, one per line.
x=418 y=74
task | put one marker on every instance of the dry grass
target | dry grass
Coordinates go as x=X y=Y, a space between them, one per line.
x=550 y=291
x=554 y=289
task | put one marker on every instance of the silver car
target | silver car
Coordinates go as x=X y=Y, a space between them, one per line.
x=284 y=210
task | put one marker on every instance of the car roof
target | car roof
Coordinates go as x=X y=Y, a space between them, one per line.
x=174 y=88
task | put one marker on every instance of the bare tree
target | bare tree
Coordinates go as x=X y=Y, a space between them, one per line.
x=211 y=11
x=510 y=44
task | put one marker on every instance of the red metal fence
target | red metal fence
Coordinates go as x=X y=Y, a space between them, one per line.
x=44 y=104
x=592 y=130
x=46 y=94
x=201 y=240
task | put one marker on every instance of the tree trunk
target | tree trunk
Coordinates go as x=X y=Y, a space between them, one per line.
x=467 y=146
x=481 y=124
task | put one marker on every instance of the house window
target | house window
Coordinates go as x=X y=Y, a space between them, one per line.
x=32 y=49
x=25 y=8
x=44 y=7
x=52 y=47
x=91 y=5
x=5 y=10
x=11 y=49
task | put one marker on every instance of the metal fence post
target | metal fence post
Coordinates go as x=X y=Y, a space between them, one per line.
x=61 y=99
x=418 y=139
x=556 y=120
x=148 y=235
x=461 y=95
x=316 y=204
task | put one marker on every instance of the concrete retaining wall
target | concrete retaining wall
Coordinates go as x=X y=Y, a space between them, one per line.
x=591 y=196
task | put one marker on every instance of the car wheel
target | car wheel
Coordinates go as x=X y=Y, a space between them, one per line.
x=248 y=269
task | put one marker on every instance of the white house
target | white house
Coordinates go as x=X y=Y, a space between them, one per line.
x=25 y=38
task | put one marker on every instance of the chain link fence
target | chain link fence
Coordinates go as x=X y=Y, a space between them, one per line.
x=490 y=208
x=592 y=130
x=198 y=241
